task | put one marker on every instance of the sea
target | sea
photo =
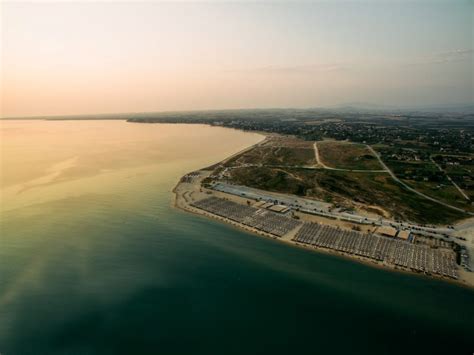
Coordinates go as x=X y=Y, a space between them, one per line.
x=94 y=259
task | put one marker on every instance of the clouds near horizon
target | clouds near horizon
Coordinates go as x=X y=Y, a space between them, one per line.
x=77 y=58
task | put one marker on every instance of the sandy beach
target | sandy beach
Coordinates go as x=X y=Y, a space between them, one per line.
x=188 y=191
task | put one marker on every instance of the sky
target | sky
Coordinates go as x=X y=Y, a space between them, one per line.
x=110 y=57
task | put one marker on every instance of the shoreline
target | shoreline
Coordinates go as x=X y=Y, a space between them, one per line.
x=184 y=193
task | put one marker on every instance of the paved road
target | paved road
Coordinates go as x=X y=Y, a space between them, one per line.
x=412 y=189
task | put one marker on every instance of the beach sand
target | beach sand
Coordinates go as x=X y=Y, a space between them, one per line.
x=188 y=192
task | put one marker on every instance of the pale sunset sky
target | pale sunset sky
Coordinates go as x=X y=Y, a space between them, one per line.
x=109 y=57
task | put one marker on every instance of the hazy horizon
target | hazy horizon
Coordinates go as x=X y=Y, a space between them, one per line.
x=101 y=58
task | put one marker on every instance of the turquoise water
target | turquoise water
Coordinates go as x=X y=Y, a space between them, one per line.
x=120 y=271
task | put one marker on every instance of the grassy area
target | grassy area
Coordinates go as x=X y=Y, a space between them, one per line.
x=446 y=193
x=423 y=175
x=462 y=172
x=271 y=179
x=283 y=151
x=347 y=189
x=346 y=155
x=416 y=170
x=282 y=165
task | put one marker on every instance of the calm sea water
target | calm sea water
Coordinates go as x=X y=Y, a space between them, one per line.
x=94 y=260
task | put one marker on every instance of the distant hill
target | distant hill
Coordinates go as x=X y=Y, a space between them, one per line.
x=268 y=113
x=362 y=107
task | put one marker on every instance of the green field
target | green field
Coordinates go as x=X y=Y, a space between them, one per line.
x=278 y=151
x=463 y=175
x=288 y=165
x=347 y=189
x=346 y=155
x=425 y=177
